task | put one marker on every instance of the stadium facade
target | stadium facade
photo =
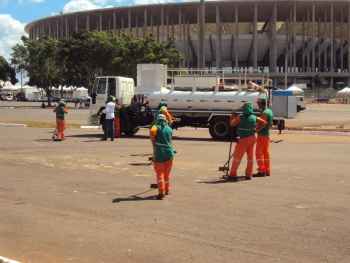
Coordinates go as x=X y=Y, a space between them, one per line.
x=302 y=39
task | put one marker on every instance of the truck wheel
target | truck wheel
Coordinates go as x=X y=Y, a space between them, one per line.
x=219 y=128
x=131 y=132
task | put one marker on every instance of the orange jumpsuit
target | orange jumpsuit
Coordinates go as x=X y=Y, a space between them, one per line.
x=262 y=151
x=117 y=128
x=244 y=145
x=60 y=122
x=163 y=157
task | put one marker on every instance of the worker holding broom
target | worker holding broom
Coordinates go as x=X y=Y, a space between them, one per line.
x=246 y=128
x=262 y=151
x=163 y=154
x=60 y=111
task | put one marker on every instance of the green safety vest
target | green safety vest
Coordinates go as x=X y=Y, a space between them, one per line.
x=164 y=150
x=246 y=126
x=266 y=130
x=60 y=112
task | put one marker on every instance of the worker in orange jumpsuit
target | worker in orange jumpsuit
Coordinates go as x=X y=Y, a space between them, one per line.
x=246 y=127
x=262 y=151
x=163 y=154
x=60 y=111
x=117 y=120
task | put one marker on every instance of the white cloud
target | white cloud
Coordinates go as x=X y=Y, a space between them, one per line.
x=79 y=5
x=11 y=32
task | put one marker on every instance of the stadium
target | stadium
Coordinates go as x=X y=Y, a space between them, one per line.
x=303 y=41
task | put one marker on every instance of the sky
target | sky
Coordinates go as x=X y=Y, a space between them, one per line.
x=15 y=14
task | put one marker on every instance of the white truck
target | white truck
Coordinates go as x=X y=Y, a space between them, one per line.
x=196 y=98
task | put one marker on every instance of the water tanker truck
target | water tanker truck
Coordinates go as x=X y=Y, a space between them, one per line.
x=196 y=98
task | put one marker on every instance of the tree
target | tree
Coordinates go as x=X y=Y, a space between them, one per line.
x=7 y=73
x=39 y=60
x=78 y=60
x=19 y=58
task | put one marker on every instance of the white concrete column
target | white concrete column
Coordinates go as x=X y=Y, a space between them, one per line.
x=201 y=34
x=294 y=50
x=66 y=26
x=87 y=22
x=162 y=24
x=236 y=39
x=129 y=21
x=137 y=26
x=273 y=53
x=167 y=26
x=76 y=23
x=145 y=23
x=151 y=25
x=218 y=41
x=100 y=23
x=332 y=38
x=313 y=36
x=255 y=37
x=114 y=22
x=57 y=30
x=179 y=24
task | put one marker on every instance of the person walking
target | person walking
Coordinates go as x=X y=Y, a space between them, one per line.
x=163 y=154
x=262 y=151
x=246 y=127
x=109 y=122
x=60 y=111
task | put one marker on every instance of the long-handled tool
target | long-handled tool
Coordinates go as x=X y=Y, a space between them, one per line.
x=226 y=166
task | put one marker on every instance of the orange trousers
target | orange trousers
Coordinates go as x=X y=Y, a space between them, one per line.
x=163 y=175
x=60 y=126
x=117 y=127
x=262 y=154
x=244 y=145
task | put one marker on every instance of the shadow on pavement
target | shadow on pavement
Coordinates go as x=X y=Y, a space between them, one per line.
x=223 y=180
x=44 y=140
x=140 y=164
x=88 y=135
x=134 y=198
x=146 y=137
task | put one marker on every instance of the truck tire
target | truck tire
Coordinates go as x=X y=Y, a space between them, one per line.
x=219 y=128
x=131 y=132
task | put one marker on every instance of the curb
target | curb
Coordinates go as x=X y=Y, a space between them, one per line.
x=6 y=260
x=12 y=125
x=89 y=127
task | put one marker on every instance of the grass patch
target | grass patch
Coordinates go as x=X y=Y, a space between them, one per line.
x=40 y=124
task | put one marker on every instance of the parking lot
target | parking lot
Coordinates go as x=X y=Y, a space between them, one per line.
x=85 y=200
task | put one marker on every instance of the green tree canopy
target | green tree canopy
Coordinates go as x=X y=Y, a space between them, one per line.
x=7 y=73
x=79 y=59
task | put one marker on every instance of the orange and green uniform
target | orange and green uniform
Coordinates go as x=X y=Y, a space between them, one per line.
x=163 y=154
x=246 y=127
x=60 y=111
x=262 y=152
x=117 y=122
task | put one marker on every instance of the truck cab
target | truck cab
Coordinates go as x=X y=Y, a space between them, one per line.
x=119 y=87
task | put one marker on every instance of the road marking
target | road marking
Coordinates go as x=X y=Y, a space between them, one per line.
x=6 y=260
x=5 y=124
